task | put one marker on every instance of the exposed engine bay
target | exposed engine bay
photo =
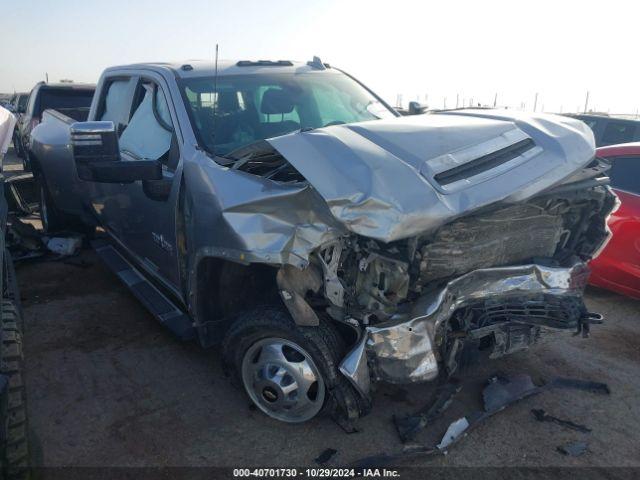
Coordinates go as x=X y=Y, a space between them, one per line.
x=552 y=230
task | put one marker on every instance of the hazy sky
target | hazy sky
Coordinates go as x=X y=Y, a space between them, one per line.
x=559 y=48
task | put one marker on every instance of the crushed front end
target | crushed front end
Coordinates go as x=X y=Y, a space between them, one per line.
x=432 y=235
x=490 y=281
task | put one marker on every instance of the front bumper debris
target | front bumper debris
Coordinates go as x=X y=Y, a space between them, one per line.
x=402 y=350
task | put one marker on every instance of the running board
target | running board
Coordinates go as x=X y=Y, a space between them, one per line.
x=165 y=311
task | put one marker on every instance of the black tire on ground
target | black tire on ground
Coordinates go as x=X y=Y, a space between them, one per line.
x=14 y=452
x=17 y=146
x=10 y=284
x=26 y=163
x=323 y=343
x=53 y=220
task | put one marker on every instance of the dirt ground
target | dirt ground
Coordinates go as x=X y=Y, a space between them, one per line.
x=108 y=386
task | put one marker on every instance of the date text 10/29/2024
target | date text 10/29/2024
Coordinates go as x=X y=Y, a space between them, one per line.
x=316 y=473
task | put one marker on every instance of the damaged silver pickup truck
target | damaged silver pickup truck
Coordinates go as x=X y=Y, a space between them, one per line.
x=284 y=210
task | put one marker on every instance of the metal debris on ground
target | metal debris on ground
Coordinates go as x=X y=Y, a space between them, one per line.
x=23 y=237
x=26 y=242
x=543 y=416
x=410 y=425
x=574 y=449
x=325 y=456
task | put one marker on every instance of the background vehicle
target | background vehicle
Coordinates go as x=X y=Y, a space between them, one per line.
x=610 y=130
x=19 y=103
x=284 y=210
x=617 y=268
x=18 y=107
x=73 y=99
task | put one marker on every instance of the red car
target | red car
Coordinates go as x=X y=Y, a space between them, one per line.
x=618 y=266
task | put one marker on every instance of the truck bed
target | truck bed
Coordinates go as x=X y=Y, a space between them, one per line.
x=70 y=115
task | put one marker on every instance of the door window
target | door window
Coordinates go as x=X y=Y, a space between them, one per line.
x=625 y=173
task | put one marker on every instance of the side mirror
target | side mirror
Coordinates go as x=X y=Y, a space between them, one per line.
x=417 y=108
x=97 y=156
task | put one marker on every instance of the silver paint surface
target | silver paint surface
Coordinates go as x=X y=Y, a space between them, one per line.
x=378 y=177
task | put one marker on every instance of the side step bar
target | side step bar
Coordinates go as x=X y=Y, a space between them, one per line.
x=165 y=311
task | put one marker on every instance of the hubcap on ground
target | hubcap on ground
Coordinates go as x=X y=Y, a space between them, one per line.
x=282 y=380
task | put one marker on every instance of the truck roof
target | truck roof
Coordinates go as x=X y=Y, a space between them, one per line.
x=204 y=68
x=68 y=85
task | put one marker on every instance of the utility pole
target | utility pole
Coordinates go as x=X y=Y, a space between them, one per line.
x=444 y=103
x=586 y=102
x=457 y=99
x=46 y=76
x=535 y=102
x=495 y=100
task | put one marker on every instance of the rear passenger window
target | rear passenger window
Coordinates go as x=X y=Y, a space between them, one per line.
x=618 y=132
x=625 y=173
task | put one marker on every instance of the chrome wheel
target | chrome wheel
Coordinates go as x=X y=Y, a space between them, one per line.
x=282 y=380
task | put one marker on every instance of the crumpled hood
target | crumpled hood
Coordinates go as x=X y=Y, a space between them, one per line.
x=397 y=178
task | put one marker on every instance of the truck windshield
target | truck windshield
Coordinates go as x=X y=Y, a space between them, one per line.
x=249 y=108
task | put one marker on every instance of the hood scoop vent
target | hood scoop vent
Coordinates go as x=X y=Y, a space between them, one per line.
x=475 y=163
x=484 y=163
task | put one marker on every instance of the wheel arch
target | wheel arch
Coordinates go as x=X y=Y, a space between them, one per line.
x=221 y=289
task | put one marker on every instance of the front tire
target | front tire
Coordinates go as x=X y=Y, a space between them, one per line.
x=290 y=372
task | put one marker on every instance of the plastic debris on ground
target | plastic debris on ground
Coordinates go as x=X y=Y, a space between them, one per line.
x=504 y=390
x=410 y=425
x=574 y=449
x=543 y=416
x=64 y=245
x=27 y=242
x=501 y=392
x=577 y=384
x=325 y=456
x=455 y=430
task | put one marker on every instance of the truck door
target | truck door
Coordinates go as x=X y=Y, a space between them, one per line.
x=142 y=215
